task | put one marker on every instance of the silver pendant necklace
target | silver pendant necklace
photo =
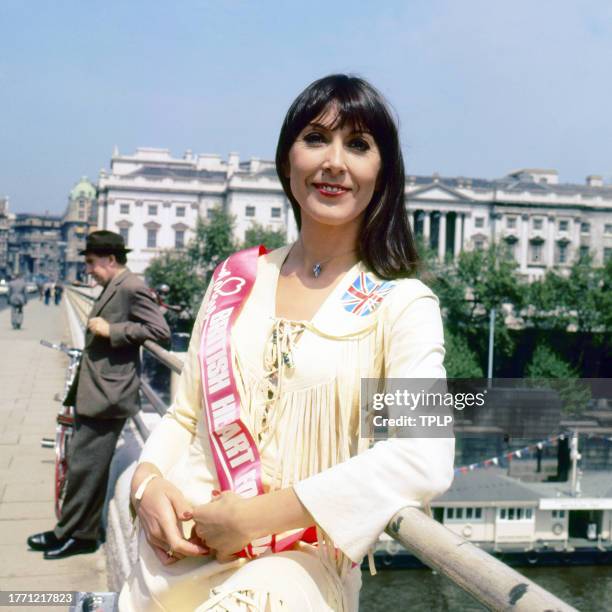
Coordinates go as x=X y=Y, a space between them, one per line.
x=317 y=268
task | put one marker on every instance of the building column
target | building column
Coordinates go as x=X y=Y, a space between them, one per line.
x=524 y=243
x=442 y=236
x=550 y=246
x=574 y=248
x=426 y=227
x=458 y=234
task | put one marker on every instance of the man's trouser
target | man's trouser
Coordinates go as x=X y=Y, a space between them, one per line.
x=16 y=315
x=89 y=457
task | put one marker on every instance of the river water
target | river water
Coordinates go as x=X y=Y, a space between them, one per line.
x=588 y=589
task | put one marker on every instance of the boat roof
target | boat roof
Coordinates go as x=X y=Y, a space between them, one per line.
x=492 y=487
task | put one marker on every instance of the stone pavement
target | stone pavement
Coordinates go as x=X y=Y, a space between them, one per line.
x=30 y=375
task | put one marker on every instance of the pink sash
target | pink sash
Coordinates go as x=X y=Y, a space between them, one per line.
x=234 y=451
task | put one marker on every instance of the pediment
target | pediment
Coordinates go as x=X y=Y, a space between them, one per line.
x=439 y=193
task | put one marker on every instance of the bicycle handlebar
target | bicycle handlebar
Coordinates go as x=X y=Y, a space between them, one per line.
x=62 y=347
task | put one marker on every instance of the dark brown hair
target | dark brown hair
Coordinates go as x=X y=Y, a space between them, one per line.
x=385 y=243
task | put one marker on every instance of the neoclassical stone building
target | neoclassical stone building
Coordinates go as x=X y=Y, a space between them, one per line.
x=154 y=200
x=544 y=223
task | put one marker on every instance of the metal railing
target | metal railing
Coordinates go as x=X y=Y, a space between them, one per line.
x=491 y=582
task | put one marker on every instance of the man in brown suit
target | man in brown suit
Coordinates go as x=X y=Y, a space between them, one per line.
x=104 y=393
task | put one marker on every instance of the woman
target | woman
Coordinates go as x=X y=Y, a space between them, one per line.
x=336 y=306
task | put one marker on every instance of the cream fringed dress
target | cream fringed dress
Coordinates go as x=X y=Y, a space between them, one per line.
x=300 y=383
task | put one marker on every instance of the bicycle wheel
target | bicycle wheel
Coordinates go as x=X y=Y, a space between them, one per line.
x=62 y=440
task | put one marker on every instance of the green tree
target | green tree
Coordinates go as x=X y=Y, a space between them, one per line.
x=469 y=288
x=579 y=301
x=176 y=270
x=547 y=369
x=212 y=243
x=270 y=238
x=460 y=361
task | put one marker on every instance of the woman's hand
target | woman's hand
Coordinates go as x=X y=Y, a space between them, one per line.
x=161 y=511
x=229 y=522
x=223 y=524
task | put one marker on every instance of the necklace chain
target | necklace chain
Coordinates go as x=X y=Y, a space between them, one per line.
x=317 y=268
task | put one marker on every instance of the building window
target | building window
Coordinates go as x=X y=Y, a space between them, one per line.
x=81 y=214
x=585 y=228
x=276 y=212
x=515 y=514
x=607 y=254
x=584 y=251
x=179 y=239
x=511 y=222
x=210 y=213
x=537 y=224
x=152 y=209
x=558 y=514
x=124 y=232
x=460 y=514
x=249 y=211
x=562 y=253
x=536 y=253
x=151 y=238
x=608 y=228
x=124 y=209
x=563 y=225
x=479 y=244
x=180 y=211
x=479 y=222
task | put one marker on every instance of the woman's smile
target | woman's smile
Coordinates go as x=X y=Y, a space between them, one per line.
x=331 y=190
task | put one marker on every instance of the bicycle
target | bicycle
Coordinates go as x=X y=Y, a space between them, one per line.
x=65 y=424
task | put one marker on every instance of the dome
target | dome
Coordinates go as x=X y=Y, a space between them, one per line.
x=83 y=189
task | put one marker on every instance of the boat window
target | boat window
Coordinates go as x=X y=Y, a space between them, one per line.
x=478 y=513
x=528 y=513
x=468 y=513
x=450 y=513
x=510 y=514
x=519 y=514
x=502 y=513
x=459 y=513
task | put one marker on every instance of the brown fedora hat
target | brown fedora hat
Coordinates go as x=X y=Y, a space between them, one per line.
x=104 y=242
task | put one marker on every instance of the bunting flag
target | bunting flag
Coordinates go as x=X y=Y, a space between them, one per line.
x=519 y=453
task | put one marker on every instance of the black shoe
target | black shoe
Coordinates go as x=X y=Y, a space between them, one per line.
x=69 y=547
x=43 y=541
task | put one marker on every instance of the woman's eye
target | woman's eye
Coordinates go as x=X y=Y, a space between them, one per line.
x=360 y=144
x=313 y=138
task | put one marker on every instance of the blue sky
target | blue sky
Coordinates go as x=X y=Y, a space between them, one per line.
x=480 y=87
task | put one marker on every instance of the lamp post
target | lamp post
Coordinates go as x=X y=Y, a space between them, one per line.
x=491 y=346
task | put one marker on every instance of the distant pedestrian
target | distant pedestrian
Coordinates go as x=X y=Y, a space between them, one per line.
x=47 y=293
x=57 y=294
x=17 y=298
x=41 y=290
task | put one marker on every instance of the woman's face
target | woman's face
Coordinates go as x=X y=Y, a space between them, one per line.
x=333 y=173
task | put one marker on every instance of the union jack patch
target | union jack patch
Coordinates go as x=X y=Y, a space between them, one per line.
x=365 y=295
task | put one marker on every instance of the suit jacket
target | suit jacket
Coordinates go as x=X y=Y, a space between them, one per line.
x=17 y=292
x=106 y=385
